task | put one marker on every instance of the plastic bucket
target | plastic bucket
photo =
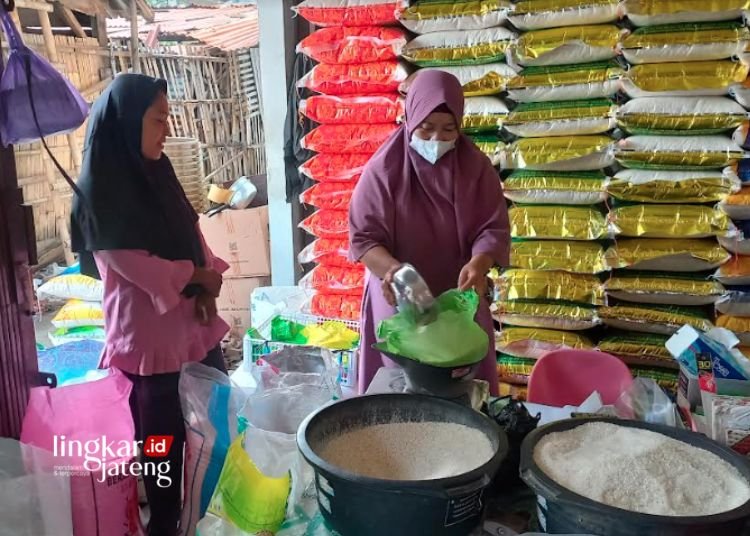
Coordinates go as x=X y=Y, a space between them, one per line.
x=561 y=511
x=361 y=506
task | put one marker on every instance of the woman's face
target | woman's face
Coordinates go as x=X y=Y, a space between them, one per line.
x=439 y=126
x=155 y=128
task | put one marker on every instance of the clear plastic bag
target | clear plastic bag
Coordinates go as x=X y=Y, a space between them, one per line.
x=298 y=365
x=646 y=401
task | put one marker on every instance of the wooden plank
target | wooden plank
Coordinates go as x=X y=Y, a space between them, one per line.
x=72 y=21
x=135 y=43
x=36 y=5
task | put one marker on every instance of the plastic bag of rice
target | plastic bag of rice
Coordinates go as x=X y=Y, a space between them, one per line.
x=552 y=315
x=492 y=146
x=541 y=14
x=569 y=256
x=516 y=284
x=565 y=46
x=675 y=116
x=533 y=343
x=740 y=244
x=650 y=186
x=561 y=118
x=741 y=93
x=72 y=287
x=652 y=12
x=685 y=152
x=350 y=12
x=700 y=78
x=668 y=380
x=371 y=109
x=735 y=301
x=737 y=205
x=363 y=78
x=707 y=41
x=667 y=255
x=738 y=325
x=335 y=167
x=556 y=222
x=477 y=80
x=574 y=153
x=663 y=289
x=484 y=114
x=516 y=392
x=343 y=45
x=459 y=47
x=515 y=370
x=669 y=221
x=566 y=82
x=428 y=16
x=556 y=187
x=78 y=313
x=734 y=272
x=635 y=347
x=658 y=319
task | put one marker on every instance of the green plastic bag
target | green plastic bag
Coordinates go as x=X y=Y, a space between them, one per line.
x=453 y=339
x=287 y=331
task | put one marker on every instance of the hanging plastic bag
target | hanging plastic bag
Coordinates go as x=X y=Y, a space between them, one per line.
x=297 y=365
x=29 y=78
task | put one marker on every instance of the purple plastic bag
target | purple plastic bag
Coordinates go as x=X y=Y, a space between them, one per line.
x=58 y=105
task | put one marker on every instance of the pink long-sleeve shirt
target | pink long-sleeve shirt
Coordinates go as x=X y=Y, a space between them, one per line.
x=151 y=327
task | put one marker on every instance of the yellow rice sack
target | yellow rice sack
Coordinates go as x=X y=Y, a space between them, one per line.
x=658 y=319
x=484 y=114
x=700 y=78
x=561 y=118
x=460 y=47
x=737 y=205
x=540 y=14
x=668 y=380
x=652 y=186
x=553 y=315
x=566 y=82
x=565 y=46
x=513 y=369
x=516 y=392
x=477 y=80
x=667 y=255
x=518 y=284
x=684 y=152
x=492 y=146
x=569 y=256
x=739 y=325
x=430 y=16
x=574 y=153
x=556 y=187
x=533 y=343
x=675 y=116
x=734 y=272
x=669 y=221
x=652 y=12
x=663 y=289
x=77 y=313
x=638 y=347
x=554 y=222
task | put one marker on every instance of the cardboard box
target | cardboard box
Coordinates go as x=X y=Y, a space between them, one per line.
x=234 y=303
x=241 y=238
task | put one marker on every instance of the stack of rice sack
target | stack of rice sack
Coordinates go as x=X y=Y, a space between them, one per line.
x=356 y=107
x=677 y=157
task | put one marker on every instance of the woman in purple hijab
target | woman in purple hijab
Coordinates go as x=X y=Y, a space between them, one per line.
x=431 y=198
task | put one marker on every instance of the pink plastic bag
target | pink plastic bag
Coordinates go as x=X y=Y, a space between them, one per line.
x=90 y=415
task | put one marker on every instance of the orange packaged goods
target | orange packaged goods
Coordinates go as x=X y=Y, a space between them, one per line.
x=333 y=195
x=335 y=280
x=347 y=138
x=359 y=79
x=337 y=306
x=351 y=12
x=328 y=251
x=343 y=45
x=327 y=224
x=336 y=167
x=333 y=110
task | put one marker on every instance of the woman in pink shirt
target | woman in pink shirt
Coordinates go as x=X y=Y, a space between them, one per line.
x=133 y=227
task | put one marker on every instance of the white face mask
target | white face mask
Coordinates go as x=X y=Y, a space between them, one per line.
x=431 y=150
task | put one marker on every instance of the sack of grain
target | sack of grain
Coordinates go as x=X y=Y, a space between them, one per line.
x=344 y=45
x=734 y=272
x=541 y=14
x=741 y=93
x=574 y=153
x=740 y=244
x=362 y=138
x=738 y=325
x=492 y=146
x=667 y=255
x=477 y=80
x=637 y=347
x=428 y=16
x=658 y=319
x=552 y=315
x=333 y=195
x=554 y=222
x=459 y=47
x=737 y=205
x=675 y=116
x=533 y=343
x=350 y=12
x=700 y=78
x=515 y=370
x=569 y=256
x=561 y=118
x=517 y=284
x=556 y=187
x=358 y=79
x=566 y=82
x=663 y=289
x=483 y=114
x=735 y=301
x=565 y=46
x=669 y=221
x=335 y=167
x=649 y=186
x=685 y=152
x=652 y=12
x=371 y=109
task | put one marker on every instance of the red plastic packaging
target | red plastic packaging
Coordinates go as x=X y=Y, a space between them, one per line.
x=371 y=109
x=351 y=13
x=335 y=280
x=327 y=224
x=359 y=79
x=346 y=45
x=332 y=195
x=348 y=138
x=336 y=306
x=336 y=167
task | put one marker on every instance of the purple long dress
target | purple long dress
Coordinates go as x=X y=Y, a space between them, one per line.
x=436 y=217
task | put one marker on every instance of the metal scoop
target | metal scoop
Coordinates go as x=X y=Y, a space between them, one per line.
x=413 y=296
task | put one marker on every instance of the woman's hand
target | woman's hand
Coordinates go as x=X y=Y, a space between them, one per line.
x=474 y=274
x=210 y=280
x=205 y=308
x=387 y=287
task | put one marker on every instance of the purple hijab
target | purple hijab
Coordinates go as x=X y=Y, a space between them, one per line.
x=436 y=217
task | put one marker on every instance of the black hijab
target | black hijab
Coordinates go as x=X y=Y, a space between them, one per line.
x=124 y=201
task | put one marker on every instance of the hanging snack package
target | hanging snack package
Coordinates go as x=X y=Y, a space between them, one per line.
x=428 y=16
x=734 y=272
x=565 y=46
x=336 y=167
x=569 y=256
x=564 y=118
x=735 y=301
x=667 y=255
x=533 y=343
x=476 y=80
x=573 y=153
x=517 y=284
x=658 y=319
x=492 y=146
x=685 y=152
x=540 y=14
x=705 y=41
x=363 y=78
x=371 y=109
x=737 y=205
x=555 y=222
x=327 y=224
x=331 y=195
x=637 y=347
x=677 y=116
x=548 y=315
x=669 y=221
x=648 y=186
x=459 y=47
x=566 y=82
x=345 y=45
x=700 y=78
x=350 y=12
x=652 y=12
x=335 y=280
x=362 y=138
x=336 y=306
x=663 y=289
x=484 y=115
x=740 y=244
x=515 y=370
x=324 y=249
x=556 y=187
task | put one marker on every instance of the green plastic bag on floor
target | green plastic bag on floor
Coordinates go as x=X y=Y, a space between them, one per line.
x=452 y=339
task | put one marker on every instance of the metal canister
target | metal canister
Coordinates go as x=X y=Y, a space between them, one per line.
x=412 y=293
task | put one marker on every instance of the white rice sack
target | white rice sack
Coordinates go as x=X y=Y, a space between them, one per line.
x=565 y=46
x=566 y=82
x=430 y=16
x=77 y=313
x=665 y=152
x=565 y=118
x=734 y=302
x=739 y=245
x=653 y=12
x=689 y=42
x=556 y=187
x=691 y=79
x=741 y=93
x=734 y=272
x=680 y=115
x=574 y=153
x=541 y=14
x=657 y=186
x=484 y=114
x=737 y=206
x=72 y=287
x=492 y=146
x=460 y=47
x=477 y=80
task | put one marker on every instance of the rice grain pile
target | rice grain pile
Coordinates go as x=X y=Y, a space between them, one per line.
x=640 y=471
x=409 y=450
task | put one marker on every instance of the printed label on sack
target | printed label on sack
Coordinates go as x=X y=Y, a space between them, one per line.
x=463 y=508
